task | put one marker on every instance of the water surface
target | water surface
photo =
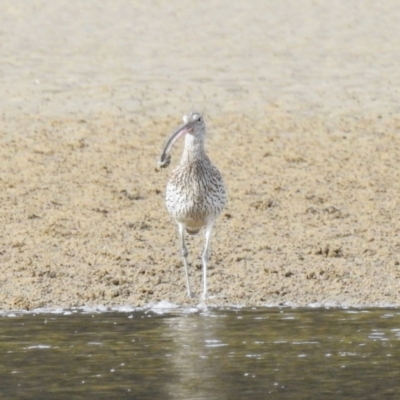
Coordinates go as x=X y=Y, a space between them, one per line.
x=210 y=354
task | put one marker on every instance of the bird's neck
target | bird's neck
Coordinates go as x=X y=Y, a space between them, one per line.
x=193 y=150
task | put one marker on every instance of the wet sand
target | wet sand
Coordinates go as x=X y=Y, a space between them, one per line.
x=301 y=103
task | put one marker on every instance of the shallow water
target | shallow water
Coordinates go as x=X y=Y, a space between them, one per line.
x=202 y=354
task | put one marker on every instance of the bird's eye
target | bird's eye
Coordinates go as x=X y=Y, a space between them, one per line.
x=200 y=119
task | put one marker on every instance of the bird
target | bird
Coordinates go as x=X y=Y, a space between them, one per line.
x=195 y=194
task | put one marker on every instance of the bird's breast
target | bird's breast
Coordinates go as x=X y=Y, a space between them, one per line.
x=195 y=194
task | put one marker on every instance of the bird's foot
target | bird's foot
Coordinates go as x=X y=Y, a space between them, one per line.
x=189 y=295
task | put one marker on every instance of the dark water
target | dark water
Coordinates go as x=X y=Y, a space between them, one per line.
x=213 y=354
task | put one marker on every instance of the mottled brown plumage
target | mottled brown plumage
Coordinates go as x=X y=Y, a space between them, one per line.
x=195 y=192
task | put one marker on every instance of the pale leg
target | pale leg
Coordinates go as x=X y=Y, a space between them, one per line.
x=185 y=253
x=205 y=257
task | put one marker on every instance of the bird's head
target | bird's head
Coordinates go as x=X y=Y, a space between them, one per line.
x=193 y=124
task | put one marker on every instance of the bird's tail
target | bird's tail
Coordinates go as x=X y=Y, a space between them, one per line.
x=192 y=231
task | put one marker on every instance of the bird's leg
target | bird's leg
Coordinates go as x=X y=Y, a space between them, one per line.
x=185 y=253
x=205 y=257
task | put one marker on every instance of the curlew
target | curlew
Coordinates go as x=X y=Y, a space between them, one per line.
x=195 y=193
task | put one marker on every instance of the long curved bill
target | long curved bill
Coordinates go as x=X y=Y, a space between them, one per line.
x=181 y=131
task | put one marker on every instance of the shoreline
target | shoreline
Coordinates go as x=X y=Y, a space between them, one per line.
x=167 y=308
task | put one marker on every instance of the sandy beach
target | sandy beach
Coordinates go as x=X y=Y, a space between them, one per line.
x=301 y=102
